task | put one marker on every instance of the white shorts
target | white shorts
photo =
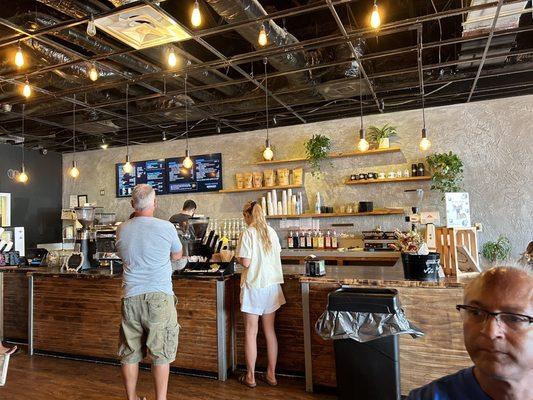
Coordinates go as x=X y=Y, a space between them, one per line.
x=261 y=301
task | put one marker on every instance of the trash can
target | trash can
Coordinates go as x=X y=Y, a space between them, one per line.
x=365 y=324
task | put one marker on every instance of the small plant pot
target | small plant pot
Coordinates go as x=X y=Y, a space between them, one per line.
x=421 y=268
x=384 y=143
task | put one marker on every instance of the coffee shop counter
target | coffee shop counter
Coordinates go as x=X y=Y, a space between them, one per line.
x=356 y=257
x=78 y=315
x=428 y=305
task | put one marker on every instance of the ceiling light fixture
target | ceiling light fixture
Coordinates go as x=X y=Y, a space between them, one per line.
x=74 y=171
x=93 y=73
x=196 y=16
x=127 y=167
x=91 y=27
x=424 y=144
x=268 y=154
x=19 y=57
x=187 y=162
x=171 y=59
x=262 y=39
x=26 y=90
x=23 y=176
x=362 y=145
x=104 y=144
x=375 y=19
x=219 y=129
x=164 y=136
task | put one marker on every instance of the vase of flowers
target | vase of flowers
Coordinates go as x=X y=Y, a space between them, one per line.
x=418 y=263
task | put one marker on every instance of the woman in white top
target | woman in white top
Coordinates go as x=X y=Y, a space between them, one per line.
x=261 y=294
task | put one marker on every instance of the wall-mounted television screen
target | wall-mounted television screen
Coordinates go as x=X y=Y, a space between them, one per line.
x=151 y=172
x=204 y=176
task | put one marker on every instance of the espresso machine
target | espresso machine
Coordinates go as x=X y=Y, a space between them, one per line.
x=85 y=242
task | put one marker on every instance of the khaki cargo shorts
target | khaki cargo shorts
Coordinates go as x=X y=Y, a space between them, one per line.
x=149 y=328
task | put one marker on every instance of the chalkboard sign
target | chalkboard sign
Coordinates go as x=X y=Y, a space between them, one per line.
x=151 y=172
x=204 y=176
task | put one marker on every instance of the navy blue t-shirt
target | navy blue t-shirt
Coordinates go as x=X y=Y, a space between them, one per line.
x=461 y=385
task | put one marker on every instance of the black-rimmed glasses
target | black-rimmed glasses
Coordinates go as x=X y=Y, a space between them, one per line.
x=478 y=315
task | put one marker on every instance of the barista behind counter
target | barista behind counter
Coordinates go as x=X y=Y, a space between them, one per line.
x=185 y=232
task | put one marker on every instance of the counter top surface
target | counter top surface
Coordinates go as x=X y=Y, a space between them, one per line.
x=340 y=254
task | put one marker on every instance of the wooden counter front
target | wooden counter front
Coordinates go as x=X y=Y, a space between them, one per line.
x=15 y=301
x=440 y=352
x=81 y=317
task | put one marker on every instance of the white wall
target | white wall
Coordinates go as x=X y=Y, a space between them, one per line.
x=493 y=138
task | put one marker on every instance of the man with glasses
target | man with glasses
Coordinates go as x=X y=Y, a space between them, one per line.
x=498 y=331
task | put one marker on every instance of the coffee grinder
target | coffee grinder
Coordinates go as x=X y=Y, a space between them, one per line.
x=427 y=218
x=84 y=238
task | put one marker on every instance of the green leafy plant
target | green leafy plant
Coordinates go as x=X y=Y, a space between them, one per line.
x=500 y=250
x=316 y=150
x=447 y=172
x=385 y=132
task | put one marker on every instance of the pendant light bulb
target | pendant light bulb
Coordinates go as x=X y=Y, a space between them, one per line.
x=23 y=176
x=26 y=91
x=187 y=162
x=93 y=73
x=104 y=145
x=91 y=27
x=19 y=58
x=424 y=144
x=362 y=145
x=375 y=19
x=196 y=17
x=268 y=154
x=171 y=58
x=262 y=38
x=127 y=167
x=74 y=171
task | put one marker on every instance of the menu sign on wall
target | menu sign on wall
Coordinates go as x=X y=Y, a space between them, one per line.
x=204 y=176
x=151 y=172
x=170 y=176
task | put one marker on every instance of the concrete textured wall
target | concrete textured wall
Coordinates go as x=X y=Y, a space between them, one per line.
x=493 y=138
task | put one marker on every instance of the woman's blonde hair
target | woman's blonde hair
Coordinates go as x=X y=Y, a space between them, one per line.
x=253 y=209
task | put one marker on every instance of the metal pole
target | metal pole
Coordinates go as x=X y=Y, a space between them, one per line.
x=307 y=338
x=221 y=331
x=30 y=315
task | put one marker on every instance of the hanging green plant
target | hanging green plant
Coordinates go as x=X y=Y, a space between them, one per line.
x=381 y=136
x=447 y=172
x=316 y=150
x=500 y=250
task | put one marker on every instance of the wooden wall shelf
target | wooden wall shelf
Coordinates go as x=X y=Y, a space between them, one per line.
x=332 y=155
x=383 y=211
x=370 y=181
x=264 y=188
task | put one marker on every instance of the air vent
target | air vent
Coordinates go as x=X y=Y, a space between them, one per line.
x=142 y=27
x=99 y=127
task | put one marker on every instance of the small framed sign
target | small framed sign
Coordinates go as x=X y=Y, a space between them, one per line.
x=457 y=210
x=82 y=200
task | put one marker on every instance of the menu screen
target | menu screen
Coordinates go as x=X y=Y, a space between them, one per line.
x=151 y=172
x=204 y=176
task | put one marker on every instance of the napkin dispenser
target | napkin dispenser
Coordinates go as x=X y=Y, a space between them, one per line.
x=314 y=266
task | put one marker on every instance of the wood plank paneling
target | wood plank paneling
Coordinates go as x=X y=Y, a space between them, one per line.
x=440 y=352
x=82 y=317
x=16 y=307
x=289 y=330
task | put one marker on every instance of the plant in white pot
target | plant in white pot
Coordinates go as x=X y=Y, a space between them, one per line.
x=418 y=263
x=381 y=136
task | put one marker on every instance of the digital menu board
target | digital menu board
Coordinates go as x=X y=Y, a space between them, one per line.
x=204 y=176
x=151 y=172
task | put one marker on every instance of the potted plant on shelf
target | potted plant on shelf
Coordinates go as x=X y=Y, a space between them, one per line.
x=500 y=250
x=316 y=150
x=382 y=135
x=418 y=263
x=447 y=172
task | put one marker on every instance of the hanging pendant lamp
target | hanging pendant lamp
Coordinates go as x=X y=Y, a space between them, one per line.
x=22 y=176
x=362 y=145
x=74 y=171
x=187 y=162
x=127 y=167
x=268 y=154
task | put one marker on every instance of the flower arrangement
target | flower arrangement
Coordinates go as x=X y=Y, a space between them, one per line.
x=409 y=242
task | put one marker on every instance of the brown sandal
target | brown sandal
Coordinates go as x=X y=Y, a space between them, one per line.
x=263 y=378
x=242 y=380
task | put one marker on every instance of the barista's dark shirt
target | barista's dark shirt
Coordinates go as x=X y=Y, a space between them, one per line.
x=461 y=385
